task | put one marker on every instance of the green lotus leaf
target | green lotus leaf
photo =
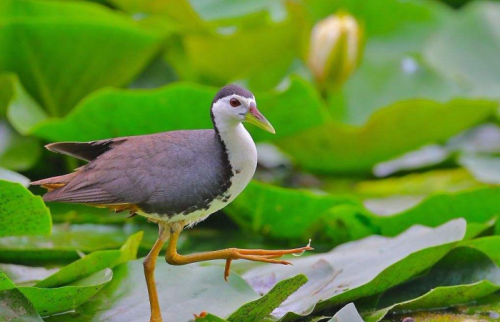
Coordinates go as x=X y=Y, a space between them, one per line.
x=347 y=314
x=49 y=301
x=359 y=269
x=390 y=132
x=259 y=309
x=15 y=307
x=474 y=276
x=17 y=152
x=94 y=262
x=22 y=213
x=39 y=39
x=281 y=213
x=449 y=51
x=197 y=289
x=111 y=113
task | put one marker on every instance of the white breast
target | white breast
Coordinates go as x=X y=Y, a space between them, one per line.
x=243 y=159
x=242 y=155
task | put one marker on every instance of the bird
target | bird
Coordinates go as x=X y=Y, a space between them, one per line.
x=175 y=179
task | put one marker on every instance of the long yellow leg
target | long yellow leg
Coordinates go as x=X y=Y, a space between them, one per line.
x=229 y=254
x=149 y=272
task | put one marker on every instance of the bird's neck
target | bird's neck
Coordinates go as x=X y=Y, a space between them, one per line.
x=240 y=147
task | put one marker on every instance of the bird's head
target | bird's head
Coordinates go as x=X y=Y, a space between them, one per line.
x=234 y=104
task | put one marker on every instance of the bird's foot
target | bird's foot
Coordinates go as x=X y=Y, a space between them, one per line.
x=262 y=255
x=202 y=315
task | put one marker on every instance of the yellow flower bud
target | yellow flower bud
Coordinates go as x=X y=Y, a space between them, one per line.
x=335 y=49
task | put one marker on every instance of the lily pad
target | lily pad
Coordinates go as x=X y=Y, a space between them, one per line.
x=258 y=309
x=380 y=82
x=475 y=26
x=359 y=269
x=221 y=64
x=17 y=152
x=66 y=244
x=291 y=214
x=22 y=213
x=21 y=110
x=477 y=206
x=52 y=30
x=15 y=307
x=347 y=314
x=484 y=168
x=5 y=282
x=209 y=318
x=111 y=113
x=49 y=301
x=488 y=245
x=26 y=275
x=420 y=184
x=406 y=125
x=94 y=262
x=197 y=289
x=281 y=213
x=474 y=275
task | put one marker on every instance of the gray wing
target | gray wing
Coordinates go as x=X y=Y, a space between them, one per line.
x=87 y=151
x=167 y=173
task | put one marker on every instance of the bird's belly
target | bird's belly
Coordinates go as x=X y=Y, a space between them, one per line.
x=238 y=182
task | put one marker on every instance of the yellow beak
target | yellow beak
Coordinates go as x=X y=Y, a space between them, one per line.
x=256 y=118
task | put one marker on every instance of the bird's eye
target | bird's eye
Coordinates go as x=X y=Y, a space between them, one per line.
x=234 y=102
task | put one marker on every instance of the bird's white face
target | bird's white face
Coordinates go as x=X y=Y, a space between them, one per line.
x=235 y=109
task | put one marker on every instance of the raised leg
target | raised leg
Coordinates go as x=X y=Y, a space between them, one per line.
x=229 y=254
x=149 y=272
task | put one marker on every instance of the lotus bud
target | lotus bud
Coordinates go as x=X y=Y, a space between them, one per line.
x=335 y=49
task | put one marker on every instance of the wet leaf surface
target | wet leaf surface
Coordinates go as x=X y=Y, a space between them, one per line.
x=197 y=289
x=15 y=307
x=94 y=262
x=49 y=301
x=359 y=269
x=347 y=314
x=264 y=207
x=291 y=214
x=474 y=276
x=259 y=309
x=22 y=213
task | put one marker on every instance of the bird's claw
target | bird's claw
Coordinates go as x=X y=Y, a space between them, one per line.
x=265 y=256
x=201 y=315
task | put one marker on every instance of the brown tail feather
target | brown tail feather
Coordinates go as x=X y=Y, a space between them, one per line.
x=54 y=182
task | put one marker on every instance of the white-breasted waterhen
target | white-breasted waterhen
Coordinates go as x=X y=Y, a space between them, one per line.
x=175 y=179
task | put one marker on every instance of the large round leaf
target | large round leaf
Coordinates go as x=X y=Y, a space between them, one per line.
x=462 y=276
x=22 y=213
x=359 y=269
x=183 y=291
x=466 y=48
x=48 y=45
x=398 y=128
x=49 y=301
